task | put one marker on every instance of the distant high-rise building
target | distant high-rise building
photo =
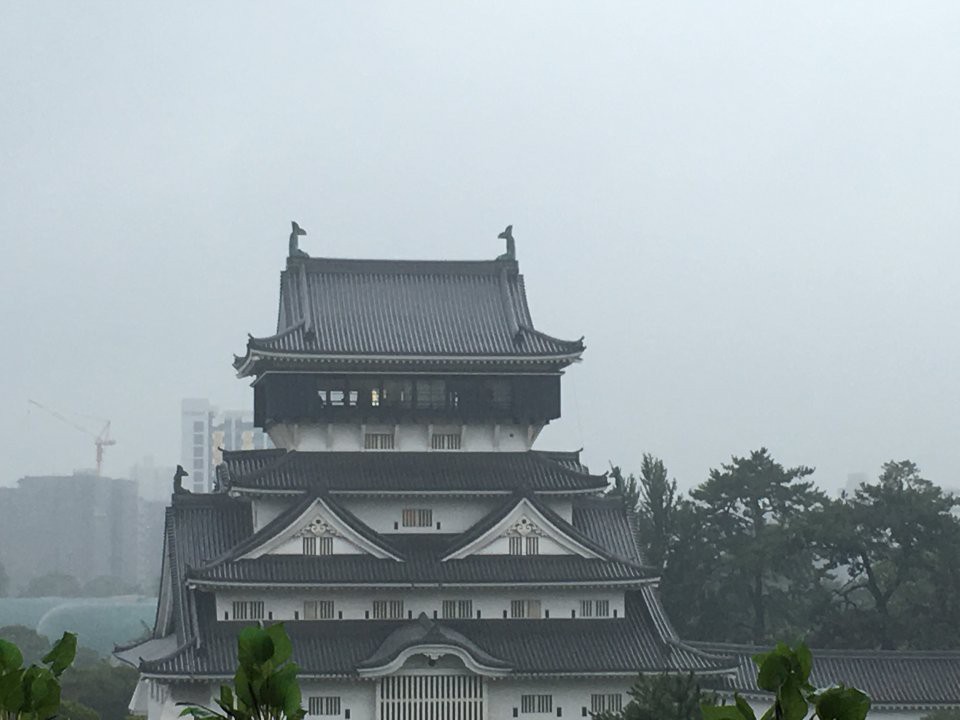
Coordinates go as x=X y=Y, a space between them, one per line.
x=154 y=482
x=205 y=432
x=81 y=525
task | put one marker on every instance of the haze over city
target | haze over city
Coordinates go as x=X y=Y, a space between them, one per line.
x=749 y=211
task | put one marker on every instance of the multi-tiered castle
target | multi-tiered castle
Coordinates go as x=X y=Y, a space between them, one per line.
x=426 y=561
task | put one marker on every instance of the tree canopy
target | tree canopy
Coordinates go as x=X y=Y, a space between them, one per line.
x=758 y=553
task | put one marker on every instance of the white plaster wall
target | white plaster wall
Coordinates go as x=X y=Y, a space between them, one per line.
x=294 y=546
x=546 y=546
x=410 y=437
x=266 y=509
x=354 y=604
x=359 y=697
x=455 y=515
x=569 y=694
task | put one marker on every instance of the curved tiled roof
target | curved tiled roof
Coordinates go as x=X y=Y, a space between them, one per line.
x=627 y=646
x=424 y=567
x=342 y=472
x=410 y=309
x=890 y=678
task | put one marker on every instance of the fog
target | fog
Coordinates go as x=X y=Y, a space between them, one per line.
x=750 y=210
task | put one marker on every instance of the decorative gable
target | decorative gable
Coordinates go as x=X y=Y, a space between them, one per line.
x=524 y=528
x=318 y=528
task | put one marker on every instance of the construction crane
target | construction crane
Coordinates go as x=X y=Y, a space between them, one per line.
x=101 y=439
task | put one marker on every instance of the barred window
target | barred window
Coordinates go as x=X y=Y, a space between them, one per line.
x=309 y=546
x=318 y=610
x=387 y=609
x=378 y=441
x=462 y=609
x=520 y=609
x=247 y=610
x=445 y=441
x=536 y=703
x=606 y=701
x=323 y=705
x=532 y=545
x=602 y=608
x=516 y=546
x=417 y=517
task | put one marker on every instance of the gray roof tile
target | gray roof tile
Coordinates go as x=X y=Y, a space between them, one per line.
x=890 y=678
x=341 y=472
x=625 y=645
x=377 y=308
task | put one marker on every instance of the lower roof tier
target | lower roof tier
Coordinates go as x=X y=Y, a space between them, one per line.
x=289 y=571
x=519 y=647
x=280 y=471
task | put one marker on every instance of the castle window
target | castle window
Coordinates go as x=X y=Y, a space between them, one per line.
x=516 y=545
x=431 y=394
x=445 y=441
x=606 y=702
x=417 y=517
x=457 y=609
x=524 y=609
x=375 y=397
x=397 y=393
x=387 y=609
x=318 y=610
x=318 y=545
x=532 y=546
x=323 y=705
x=378 y=441
x=536 y=703
x=602 y=608
x=247 y=610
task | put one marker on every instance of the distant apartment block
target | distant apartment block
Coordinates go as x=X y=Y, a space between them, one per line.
x=205 y=432
x=80 y=525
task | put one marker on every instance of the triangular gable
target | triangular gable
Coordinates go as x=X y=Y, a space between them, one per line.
x=524 y=519
x=319 y=519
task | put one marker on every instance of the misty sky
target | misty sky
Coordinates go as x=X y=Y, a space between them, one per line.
x=750 y=210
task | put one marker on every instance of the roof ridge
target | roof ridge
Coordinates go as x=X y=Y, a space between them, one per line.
x=403 y=266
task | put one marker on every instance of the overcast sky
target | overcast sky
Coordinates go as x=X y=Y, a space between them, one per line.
x=750 y=210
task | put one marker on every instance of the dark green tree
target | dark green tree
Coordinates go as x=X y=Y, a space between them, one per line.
x=662 y=697
x=70 y=710
x=625 y=486
x=657 y=511
x=103 y=688
x=895 y=545
x=52 y=585
x=754 y=511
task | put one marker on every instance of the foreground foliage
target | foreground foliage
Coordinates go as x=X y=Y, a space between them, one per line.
x=91 y=688
x=265 y=685
x=33 y=692
x=785 y=672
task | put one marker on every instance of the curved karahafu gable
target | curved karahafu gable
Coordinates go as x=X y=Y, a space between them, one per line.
x=408 y=311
